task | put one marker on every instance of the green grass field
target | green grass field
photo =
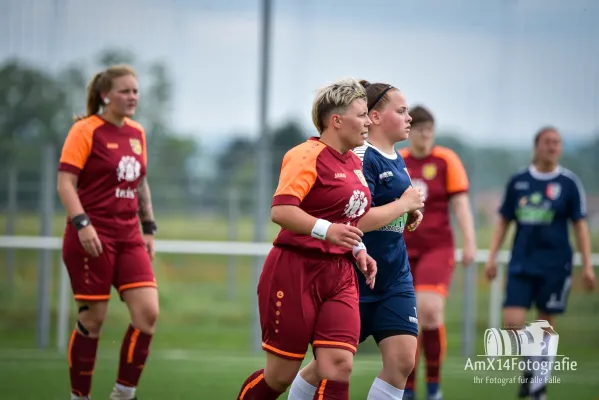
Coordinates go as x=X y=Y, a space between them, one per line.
x=202 y=348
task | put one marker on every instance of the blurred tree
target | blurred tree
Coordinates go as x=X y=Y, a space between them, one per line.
x=36 y=108
x=285 y=137
x=32 y=111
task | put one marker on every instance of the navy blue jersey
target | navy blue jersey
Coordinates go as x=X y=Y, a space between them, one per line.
x=387 y=179
x=541 y=204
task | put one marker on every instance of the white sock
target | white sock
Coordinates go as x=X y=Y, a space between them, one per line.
x=381 y=390
x=75 y=397
x=125 y=390
x=301 y=390
x=541 y=379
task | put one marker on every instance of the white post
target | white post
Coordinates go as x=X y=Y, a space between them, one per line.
x=62 y=323
x=496 y=298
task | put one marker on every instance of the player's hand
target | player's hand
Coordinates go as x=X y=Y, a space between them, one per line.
x=149 y=243
x=412 y=199
x=468 y=254
x=491 y=269
x=344 y=235
x=368 y=267
x=90 y=241
x=414 y=219
x=588 y=278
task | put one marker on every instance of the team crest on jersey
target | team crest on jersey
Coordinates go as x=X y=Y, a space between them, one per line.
x=360 y=176
x=135 y=146
x=429 y=171
x=553 y=191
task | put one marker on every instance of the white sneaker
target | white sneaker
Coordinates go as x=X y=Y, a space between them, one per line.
x=75 y=397
x=120 y=392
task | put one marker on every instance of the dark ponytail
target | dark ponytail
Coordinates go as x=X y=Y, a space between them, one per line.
x=376 y=94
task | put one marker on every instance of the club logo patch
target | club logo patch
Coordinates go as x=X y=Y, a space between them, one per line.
x=429 y=171
x=360 y=176
x=135 y=146
x=553 y=191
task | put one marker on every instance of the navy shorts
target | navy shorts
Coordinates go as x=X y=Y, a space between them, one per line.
x=392 y=316
x=549 y=292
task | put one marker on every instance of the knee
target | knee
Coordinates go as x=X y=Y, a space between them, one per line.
x=405 y=364
x=430 y=315
x=335 y=365
x=514 y=317
x=145 y=318
x=279 y=373
x=279 y=379
x=90 y=321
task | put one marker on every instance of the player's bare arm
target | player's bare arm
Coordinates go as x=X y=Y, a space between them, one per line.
x=146 y=215
x=460 y=205
x=67 y=191
x=144 y=199
x=497 y=239
x=583 y=241
x=377 y=217
x=298 y=221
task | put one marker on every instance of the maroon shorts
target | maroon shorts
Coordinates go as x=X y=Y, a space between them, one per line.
x=307 y=300
x=432 y=270
x=122 y=264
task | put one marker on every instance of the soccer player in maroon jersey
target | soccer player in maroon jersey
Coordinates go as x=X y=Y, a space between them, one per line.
x=102 y=185
x=308 y=291
x=440 y=174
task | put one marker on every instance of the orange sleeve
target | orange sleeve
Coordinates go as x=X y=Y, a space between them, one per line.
x=457 y=179
x=78 y=145
x=140 y=128
x=298 y=174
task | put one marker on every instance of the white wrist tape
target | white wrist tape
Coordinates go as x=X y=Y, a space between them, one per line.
x=358 y=247
x=320 y=229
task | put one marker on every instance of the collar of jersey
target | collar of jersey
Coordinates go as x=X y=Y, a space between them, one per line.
x=389 y=156
x=544 y=176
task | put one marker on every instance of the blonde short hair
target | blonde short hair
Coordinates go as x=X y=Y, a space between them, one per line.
x=335 y=98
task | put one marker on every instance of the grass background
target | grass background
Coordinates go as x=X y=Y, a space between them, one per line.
x=202 y=348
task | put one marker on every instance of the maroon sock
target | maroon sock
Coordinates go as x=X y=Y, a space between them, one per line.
x=256 y=388
x=82 y=358
x=134 y=352
x=434 y=349
x=332 y=390
x=411 y=382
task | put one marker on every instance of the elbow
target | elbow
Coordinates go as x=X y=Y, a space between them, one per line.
x=275 y=215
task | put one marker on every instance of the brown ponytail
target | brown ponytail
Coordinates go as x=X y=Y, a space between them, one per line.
x=94 y=100
x=102 y=83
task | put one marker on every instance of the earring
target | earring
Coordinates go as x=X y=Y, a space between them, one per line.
x=106 y=100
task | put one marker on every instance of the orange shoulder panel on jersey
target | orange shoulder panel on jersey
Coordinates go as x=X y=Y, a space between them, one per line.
x=140 y=128
x=78 y=144
x=457 y=179
x=298 y=170
x=404 y=152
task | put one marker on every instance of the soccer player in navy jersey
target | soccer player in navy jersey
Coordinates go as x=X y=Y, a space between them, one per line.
x=387 y=311
x=541 y=200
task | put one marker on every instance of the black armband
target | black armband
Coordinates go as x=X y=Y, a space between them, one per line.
x=80 y=221
x=149 y=227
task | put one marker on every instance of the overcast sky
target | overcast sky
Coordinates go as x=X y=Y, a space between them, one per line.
x=493 y=70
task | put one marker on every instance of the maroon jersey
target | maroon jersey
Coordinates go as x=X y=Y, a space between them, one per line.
x=440 y=175
x=325 y=184
x=110 y=162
